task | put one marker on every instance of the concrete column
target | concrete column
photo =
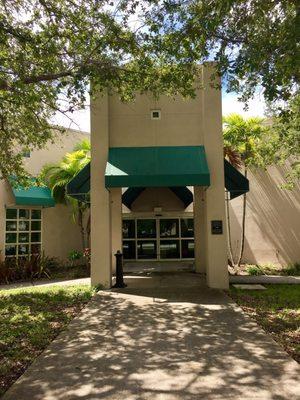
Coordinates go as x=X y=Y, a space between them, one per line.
x=216 y=244
x=199 y=229
x=116 y=223
x=100 y=207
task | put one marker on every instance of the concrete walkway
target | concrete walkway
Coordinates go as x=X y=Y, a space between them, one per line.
x=261 y=279
x=164 y=337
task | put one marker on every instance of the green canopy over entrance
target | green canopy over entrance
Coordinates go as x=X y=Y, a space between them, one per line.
x=157 y=167
x=129 y=167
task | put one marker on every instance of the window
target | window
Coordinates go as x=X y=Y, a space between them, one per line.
x=146 y=249
x=187 y=227
x=129 y=249
x=155 y=114
x=129 y=229
x=187 y=249
x=23 y=235
x=158 y=238
x=169 y=228
x=26 y=153
x=146 y=228
x=169 y=249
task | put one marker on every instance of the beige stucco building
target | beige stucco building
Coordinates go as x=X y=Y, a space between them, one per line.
x=34 y=225
x=150 y=196
x=156 y=185
x=146 y=154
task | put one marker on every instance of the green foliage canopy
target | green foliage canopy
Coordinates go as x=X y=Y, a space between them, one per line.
x=247 y=136
x=51 y=50
x=57 y=175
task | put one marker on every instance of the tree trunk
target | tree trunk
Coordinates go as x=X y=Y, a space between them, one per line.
x=229 y=232
x=88 y=230
x=81 y=227
x=243 y=224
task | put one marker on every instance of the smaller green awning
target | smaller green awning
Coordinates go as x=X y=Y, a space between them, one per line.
x=79 y=187
x=33 y=196
x=235 y=182
x=166 y=166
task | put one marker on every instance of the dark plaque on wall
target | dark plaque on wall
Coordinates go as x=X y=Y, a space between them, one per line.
x=217 y=227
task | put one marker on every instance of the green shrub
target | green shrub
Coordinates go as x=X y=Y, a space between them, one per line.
x=254 y=270
x=292 y=269
x=74 y=255
x=33 y=267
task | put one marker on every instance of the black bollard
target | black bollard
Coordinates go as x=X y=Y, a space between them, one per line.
x=119 y=271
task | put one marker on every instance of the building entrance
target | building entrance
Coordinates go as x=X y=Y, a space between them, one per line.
x=158 y=238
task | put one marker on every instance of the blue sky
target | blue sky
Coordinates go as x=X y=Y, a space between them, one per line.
x=230 y=104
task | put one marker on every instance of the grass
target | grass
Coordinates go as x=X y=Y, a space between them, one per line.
x=29 y=320
x=277 y=311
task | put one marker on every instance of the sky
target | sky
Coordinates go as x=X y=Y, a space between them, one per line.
x=230 y=104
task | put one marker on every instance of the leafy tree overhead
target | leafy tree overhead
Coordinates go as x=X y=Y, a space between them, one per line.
x=256 y=43
x=51 y=50
x=284 y=143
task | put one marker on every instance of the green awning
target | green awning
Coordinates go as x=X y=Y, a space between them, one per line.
x=157 y=167
x=79 y=186
x=235 y=182
x=33 y=196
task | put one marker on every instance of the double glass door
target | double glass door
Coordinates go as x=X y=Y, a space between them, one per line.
x=158 y=238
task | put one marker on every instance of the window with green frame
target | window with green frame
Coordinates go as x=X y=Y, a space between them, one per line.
x=23 y=233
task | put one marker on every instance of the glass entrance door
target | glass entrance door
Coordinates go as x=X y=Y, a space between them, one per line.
x=146 y=239
x=158 y=238
x=169 y=238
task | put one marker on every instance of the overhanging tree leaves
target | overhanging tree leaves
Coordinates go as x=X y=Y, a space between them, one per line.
x=51 y=50
x=256 y=43
x=49 y=53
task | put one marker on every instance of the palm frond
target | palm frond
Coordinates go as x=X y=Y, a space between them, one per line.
x=233 y=156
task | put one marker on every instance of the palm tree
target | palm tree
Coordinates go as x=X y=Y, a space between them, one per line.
x=235 y=160
x=57 y=176
x=243 y=138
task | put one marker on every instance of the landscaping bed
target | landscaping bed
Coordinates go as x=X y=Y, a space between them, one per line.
x=267 y=269
x=41 y=267
x=277 y=311
x=29 y=320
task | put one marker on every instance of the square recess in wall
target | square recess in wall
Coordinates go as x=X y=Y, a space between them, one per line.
x=155 y=114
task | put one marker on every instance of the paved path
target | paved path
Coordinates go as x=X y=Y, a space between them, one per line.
x=164 y=337
x=265 y=279
x=261 y=279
